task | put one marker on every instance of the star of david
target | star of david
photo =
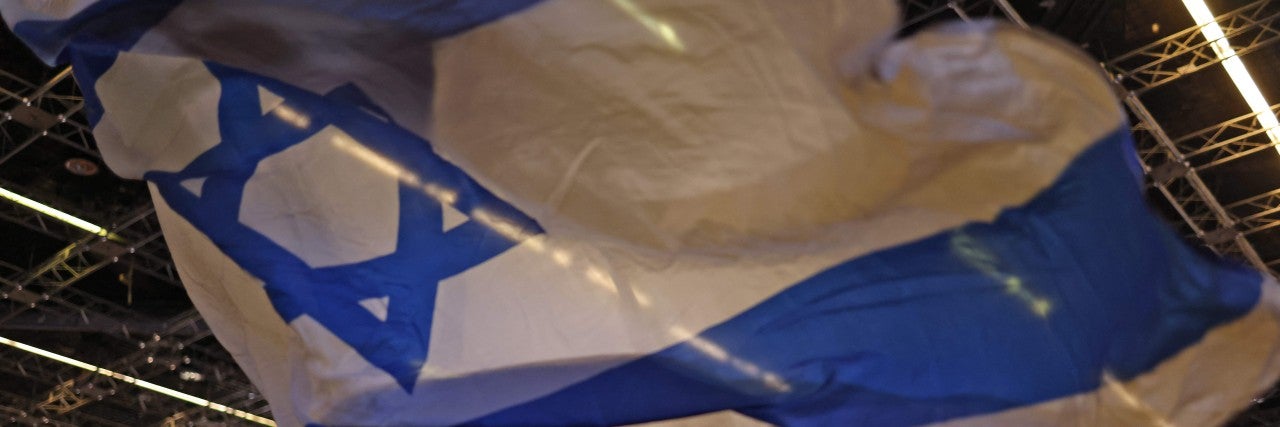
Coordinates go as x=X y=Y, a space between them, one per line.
x=382 y=307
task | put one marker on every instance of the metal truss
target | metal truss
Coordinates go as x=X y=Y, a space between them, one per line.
x=37 y=113
x=175 y=347
x=1226 y=141
x=920 y=11
x=1187 y=51
x=40 y=370
x=1204 y=217
x=82 y=258
x=69 y=398
x=35 y=221
x=29 y=114
x=71 y=395
x=1175 y=164
x=12 y=411
x=136 y=240
x=1258 y=214
x=154 y=358
x=42 y=297
x=45 y=125
x=46 y=115
x=1180 y=184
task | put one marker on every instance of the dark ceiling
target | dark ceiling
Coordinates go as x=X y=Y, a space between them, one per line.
x=119 y=304
x=64 y=290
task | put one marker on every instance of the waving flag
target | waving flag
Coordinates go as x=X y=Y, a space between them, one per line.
x=569 y=212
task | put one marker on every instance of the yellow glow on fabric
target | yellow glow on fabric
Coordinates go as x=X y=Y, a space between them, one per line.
x=1115 y=386
x=494 y=221
x=291 y=116
x=710 y=349
x=661 y=29
x=971 y=252
x=561 y=257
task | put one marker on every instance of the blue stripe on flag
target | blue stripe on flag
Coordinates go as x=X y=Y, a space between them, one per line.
x=1039 y=304
x=96 y=34
x=431 y=19
x=101 y=30
x=118 y=24
x=108 y=25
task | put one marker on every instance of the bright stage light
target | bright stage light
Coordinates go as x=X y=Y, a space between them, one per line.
x=56 y=214
x=140 y=383
x=1235 y=68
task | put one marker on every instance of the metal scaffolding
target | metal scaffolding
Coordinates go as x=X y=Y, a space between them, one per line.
x=920 y=11
x=1248 y=29
x=1230 y=140
x=43 y=297
x=1175 y=164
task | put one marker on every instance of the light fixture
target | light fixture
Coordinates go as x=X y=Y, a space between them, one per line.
x=188 y=375
x=56 y=214
x=140 y=383
x=81 y=166
x=1235 y=68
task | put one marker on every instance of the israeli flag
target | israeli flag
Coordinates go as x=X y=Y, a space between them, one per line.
x=601 y=212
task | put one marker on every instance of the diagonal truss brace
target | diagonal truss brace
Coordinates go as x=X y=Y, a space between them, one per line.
x=31 y=289
x=1230 y=140
x=920 y=11
x=1187 y=193
x=1187 y=51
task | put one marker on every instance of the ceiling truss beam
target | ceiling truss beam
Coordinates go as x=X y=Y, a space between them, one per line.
x=1207 y=219
x=1223 y=142
x=1185 y=52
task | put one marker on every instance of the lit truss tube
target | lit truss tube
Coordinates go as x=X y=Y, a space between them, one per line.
x=140 y=383
x=56 y=214
x=1235 y=68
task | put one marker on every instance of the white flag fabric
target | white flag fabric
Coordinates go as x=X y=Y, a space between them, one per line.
x=586 y=212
